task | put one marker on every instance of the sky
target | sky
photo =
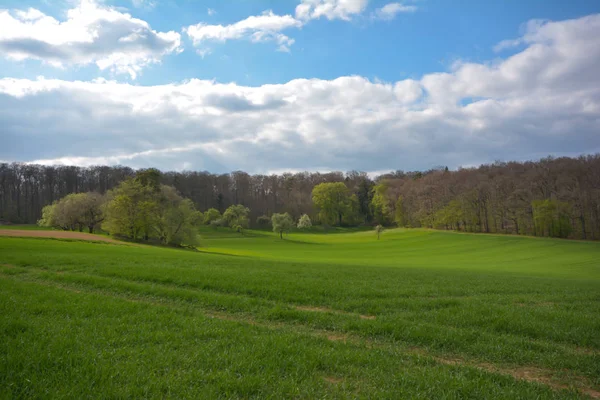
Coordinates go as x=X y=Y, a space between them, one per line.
x=268 y=86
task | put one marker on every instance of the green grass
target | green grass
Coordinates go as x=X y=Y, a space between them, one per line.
x=417 y=314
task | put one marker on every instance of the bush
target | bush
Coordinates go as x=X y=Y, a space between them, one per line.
x=218 y=222
x=263 y=221
x=304 y=222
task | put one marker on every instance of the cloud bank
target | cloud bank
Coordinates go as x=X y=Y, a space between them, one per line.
x=545 y=99
x=91 y=34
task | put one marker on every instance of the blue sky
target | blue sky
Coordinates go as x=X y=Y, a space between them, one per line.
x=424 y=85
x=427 y=40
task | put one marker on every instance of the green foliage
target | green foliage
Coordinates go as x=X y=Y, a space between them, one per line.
x=282 y=223
x=450 y=216
x=399 y=213
x=129 y=210
x=48 y=216
x=212 y=214
x=263 y=221
x=380 y=204
x=149 y=177
x=333 y=202
x=304 y=222
x=551 y=218
x=353 y=216
x=364 y=195
x=217 y=223
x=138 y=211
x=77 y=211
x=177 y=220
x=237 y=215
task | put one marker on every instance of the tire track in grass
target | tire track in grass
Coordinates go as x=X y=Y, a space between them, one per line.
x=524 y=373
x=220 y=299
x=188 y=291
x=332 y=311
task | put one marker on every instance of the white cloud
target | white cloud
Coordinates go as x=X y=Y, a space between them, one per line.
x=210 y=11
x=543 y=100
x=330 y=9
x=92 y=33
x=389 y=11
x=268 y=26
x=261 y=28
x=144 y=3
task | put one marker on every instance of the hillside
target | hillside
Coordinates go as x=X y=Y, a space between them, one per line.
x=419 y=314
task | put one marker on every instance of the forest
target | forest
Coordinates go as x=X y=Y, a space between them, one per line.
x=556 y=197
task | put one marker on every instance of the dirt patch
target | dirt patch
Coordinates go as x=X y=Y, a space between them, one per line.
x=371 y=317
x=57 y=235
x=332 y=379
x=315 y=309
x=529 y=374
x=334 y=337
x=330 y=310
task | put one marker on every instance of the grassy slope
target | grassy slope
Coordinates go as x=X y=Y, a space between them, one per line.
x=137 y=321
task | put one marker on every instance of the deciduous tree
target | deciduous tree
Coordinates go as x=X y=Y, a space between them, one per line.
x=282 y=223
x=332 y=200
x=304 y=222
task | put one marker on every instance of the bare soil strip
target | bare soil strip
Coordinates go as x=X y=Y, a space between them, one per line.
x=331 y=310
x=57 y=235
x=530 y=374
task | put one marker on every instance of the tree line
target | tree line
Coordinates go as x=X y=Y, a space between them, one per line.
x=558 y=197
x=142 y=208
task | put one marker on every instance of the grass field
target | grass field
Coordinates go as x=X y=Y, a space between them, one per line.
x=417 y=314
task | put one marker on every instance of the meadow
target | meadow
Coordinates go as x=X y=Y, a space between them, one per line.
x=418 y=314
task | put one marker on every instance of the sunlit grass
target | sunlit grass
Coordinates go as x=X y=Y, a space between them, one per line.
x=416 y=314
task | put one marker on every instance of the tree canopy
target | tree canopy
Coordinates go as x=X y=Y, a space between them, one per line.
x=138 y=209
x=304 y=222
x=212 y=214
x=333 y=202
x=282 y=223
x=76 y=211
x=237 y=216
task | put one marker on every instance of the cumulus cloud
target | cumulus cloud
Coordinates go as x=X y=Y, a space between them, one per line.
x=268 y=26
x=330 y=9
x=389 y=11
x=261 y=28
x=542 y=100
x=91 y=34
